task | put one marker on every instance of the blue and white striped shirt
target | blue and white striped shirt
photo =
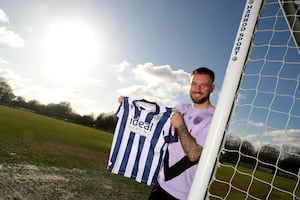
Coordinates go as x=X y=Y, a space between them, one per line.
x=138 y=145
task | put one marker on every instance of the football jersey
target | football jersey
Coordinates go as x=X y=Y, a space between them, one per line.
x=197 y=122
x=138 y=144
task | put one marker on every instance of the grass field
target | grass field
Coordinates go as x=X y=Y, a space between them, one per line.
x=248 y=184
x=45 y=158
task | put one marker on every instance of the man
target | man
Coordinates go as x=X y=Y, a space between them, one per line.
x=192 y=122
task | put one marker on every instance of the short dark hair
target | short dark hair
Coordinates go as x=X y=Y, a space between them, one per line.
x=204 y=70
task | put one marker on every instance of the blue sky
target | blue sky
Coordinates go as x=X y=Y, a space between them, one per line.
x=90 y=52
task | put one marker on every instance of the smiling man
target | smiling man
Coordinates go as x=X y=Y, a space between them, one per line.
x=192 y=122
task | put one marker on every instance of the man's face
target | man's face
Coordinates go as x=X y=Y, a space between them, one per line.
x=201 y=87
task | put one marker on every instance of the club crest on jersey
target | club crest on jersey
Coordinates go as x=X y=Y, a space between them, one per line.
x=157 y=117
x=140 y=127
x=197 y=120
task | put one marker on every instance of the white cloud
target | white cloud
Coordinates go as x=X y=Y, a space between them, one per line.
x=256 y=124
x=248 y=137
x=13 y=79
x=3 y=61
x=10 y=38
x=27 y=28
x=157 y=75
x=122 y=66
x=157 y=83
x=289 y=137
x=3 y=17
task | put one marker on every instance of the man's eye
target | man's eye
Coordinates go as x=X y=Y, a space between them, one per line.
x=204 y=85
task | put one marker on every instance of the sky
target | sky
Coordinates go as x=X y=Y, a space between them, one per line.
x=90 y=52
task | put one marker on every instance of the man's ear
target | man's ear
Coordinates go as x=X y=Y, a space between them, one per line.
x=212 y=88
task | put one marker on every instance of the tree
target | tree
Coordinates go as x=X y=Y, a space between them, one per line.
x=20 y=100
x=62 y=110
x=33 y=105
x=291 y=164
x=6 y=93
x=106 y=122
x=247 y=148
x=269 y=154
x=85 y=120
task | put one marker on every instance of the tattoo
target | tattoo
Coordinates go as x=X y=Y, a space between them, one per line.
x=191 y=148
x=182 y=129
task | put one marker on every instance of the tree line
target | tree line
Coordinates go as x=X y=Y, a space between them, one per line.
x=62 y=110
x=282 y=160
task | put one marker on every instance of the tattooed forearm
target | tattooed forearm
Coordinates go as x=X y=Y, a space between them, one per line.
x=191 y=148
x=182 y=129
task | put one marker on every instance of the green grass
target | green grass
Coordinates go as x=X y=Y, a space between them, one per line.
x=242 y=181
x=38 y=138
x=29 y=138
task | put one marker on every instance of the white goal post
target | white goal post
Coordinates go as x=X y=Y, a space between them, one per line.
x=257 y=118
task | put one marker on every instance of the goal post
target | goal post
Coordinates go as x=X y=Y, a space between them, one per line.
x=252 y=149
x=224 y=105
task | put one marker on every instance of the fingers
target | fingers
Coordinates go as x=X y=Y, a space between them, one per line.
x=175 y=113
x=121 y=99
x=177 y=119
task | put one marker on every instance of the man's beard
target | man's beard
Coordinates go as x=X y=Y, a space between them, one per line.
x=200 y=101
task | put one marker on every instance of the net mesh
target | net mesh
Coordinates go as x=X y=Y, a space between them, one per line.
x=260 y=155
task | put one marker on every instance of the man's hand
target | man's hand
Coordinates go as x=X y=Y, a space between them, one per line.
x=121 y=99
x=177 y=119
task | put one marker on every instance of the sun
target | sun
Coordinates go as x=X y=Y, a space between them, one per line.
x=71 y=50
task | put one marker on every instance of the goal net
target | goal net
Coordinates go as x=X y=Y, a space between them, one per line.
x=253 y=147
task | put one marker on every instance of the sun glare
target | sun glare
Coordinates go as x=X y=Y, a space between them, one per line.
x=71 y=50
